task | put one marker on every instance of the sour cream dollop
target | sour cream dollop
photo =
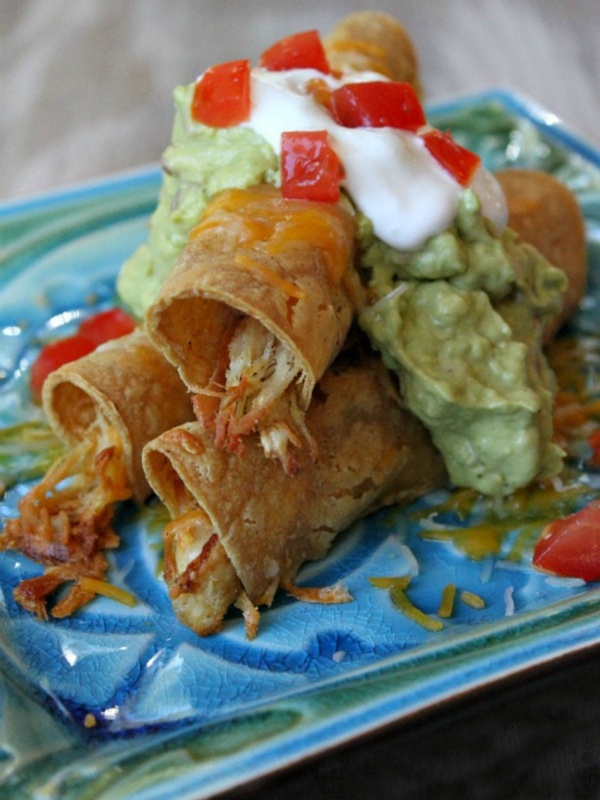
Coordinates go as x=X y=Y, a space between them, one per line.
x=390 y=175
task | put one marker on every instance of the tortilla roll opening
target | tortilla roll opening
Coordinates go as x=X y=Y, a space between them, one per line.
x=124 y=390
x=202 y=582
x=258 y=305
x=72 y=403
x=172 y=490
x=201 y=579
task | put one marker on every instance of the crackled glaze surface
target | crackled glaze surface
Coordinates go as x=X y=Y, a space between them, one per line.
x=126 y=702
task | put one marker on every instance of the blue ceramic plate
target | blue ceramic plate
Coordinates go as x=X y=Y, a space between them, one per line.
x=124 y=702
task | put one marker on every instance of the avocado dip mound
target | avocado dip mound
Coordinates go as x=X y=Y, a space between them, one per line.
x=460 y=319
x=200 y=162
x=461 y=322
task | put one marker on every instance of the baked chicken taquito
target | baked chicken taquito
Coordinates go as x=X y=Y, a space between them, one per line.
x=255 y=310
x=242 y=527
x=105 y=407
x=545 y=214
x=372 y=41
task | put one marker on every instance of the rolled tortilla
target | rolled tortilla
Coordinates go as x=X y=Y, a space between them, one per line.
x=545 y=213
x=125 y=387
x=373 y=41
x=105 y=406
x=242 y=527
x=257 y=307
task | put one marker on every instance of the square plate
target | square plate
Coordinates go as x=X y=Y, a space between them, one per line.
x=126 y=702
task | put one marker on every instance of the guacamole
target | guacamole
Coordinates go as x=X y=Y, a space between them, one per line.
x=461 y=322
x=199 y=162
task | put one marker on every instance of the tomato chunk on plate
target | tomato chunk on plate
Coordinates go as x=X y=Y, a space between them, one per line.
x=92 y=332
x=110 y=324
x=570 y=546
x=54 y=355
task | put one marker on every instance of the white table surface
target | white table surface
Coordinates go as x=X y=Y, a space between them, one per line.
x=85 y=85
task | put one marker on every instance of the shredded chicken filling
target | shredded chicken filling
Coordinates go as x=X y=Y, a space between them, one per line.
x=203 y=582
x=261 y=388
x=65 y=523
x=201 y=579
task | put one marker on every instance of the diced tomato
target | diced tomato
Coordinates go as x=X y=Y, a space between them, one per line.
x=110 y=324
x=377 y=104
x=299 y=51
x=570 y=546
x=457 y=160
x=594 y=443
x=54 y=355
x=310 y=168
x=92 y=332
x=222 y=95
